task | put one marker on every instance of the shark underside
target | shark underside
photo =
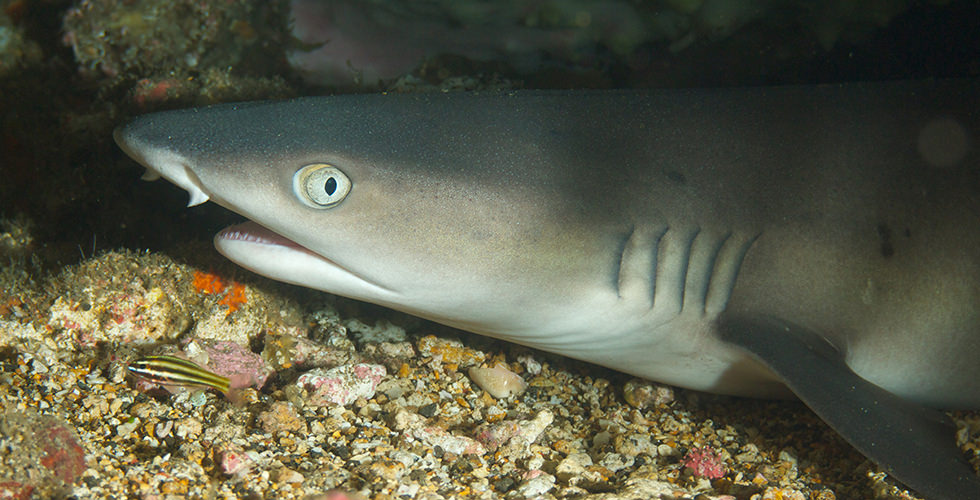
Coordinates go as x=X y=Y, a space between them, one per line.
x=822 y=241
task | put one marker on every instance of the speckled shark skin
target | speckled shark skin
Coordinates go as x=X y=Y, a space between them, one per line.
x=740 y=241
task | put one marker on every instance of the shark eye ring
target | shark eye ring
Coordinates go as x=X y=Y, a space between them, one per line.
x=320 y=185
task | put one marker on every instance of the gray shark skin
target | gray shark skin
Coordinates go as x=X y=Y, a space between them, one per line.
x=822 y=241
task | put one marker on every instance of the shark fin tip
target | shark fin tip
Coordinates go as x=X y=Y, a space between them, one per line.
x=197 y=197
x=150 y=175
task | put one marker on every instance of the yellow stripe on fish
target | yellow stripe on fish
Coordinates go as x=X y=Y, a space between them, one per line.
x=171 y=370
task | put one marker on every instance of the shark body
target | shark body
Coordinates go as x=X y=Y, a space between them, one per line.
x=820 y=241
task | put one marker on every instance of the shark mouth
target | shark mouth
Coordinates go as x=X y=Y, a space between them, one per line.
x=250 y=232
x=270 y=254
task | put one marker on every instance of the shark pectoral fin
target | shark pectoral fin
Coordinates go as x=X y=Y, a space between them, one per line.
x=913 y=443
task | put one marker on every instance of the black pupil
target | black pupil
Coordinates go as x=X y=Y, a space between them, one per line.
x=330 y=187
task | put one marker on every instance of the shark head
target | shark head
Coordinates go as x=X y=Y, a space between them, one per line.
x=356 y=202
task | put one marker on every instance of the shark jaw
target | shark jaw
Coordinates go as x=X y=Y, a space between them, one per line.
x=270 y=254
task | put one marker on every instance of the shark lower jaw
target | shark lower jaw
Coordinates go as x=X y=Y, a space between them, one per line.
x=270 y=254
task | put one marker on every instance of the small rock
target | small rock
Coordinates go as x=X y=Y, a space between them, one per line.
x=642 y=394
x=284 y=351
x=531 y=365
x=126 y=309
x=162 y=429
x=395 y=388
x=782 y=494
x=287 y=475
x=449 y=351
x=234 y=461
x=282 y=417
x=336 y=495
x=126 y=428
x=499 y=381
x=635 y=444
x=391 y=354
x=536 y=483
x=496 y=435
x=520 y=434
x=188 y=427
x=459 y=445
x=616 y=462
x=16 y=491
x=342 y=385
x=414 y=425
x=749 y=454
x=788 y=455
x=531 y=429
x=382 y=331
x=573 y=465
x=42 y=456
x=243 y=368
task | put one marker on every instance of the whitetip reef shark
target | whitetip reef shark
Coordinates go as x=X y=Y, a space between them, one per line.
x=822 y=241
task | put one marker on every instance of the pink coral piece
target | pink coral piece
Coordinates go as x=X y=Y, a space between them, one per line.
x=235 y=462
x=242 y=367
x=705 y=462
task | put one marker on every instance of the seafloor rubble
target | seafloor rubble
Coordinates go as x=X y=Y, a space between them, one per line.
x=332 y=396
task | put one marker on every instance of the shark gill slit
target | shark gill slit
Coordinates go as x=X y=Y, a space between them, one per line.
x=725 y=269
x=685 y=267
x=704 y=275
x=679 y=269
x=636 y=274
x=673 y=259
x=655 y=263
x=621 y=264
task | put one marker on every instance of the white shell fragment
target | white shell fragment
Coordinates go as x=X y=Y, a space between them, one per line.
x=499 y=381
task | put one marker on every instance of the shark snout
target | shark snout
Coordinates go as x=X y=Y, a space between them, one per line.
x=160 y=162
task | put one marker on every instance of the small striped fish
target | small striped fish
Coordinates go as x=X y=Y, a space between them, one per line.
x=174 y=371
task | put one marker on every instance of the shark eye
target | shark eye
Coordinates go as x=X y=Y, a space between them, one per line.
x=320 y=185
